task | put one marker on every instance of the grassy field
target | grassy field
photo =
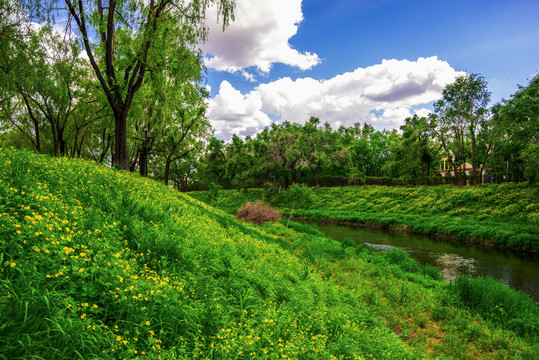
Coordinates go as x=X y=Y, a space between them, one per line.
x=102 y=264
x=502 y=215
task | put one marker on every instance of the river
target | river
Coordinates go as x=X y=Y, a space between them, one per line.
x=519 y=272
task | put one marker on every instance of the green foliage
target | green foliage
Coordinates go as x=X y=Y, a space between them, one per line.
x=184 y=280
x=413 y=299
x=460 y=114
x=302 y=228
x=214 y=193
x=298 y=196
x=505 y=215
x=96 y=263
x=518 y=117
x=531 y=162
x=400 y=258
x=412 y=157
x=271 y=191
x=497 y=303
x=462 y=126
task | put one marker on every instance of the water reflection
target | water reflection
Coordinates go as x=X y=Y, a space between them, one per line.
x=452 y=265
x=379 y=247
x=517 y=271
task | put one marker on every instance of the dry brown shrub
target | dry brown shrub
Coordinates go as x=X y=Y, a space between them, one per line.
x=258 y=213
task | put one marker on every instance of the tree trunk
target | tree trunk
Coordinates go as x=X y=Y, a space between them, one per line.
x=120 y=136
x=463 y=177
x=459 y=176
x=54 y=132
x=473 y=159
x=294 y=173
x=75 y=147
x=143 y=163
x=512 y=173
x=106 y=140
x=483 y=165
x=317 y=175
x=38 y=138
x=79 y=152
x=62 y=143
x=496 y=168
x=34 y=120
x=133 y=165
x=167 y=170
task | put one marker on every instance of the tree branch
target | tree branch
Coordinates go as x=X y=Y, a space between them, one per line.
x=81 y=23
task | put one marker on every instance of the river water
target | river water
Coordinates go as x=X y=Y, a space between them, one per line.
x=519 y=272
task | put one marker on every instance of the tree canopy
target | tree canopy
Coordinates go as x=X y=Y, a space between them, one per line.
x=122 y=83
x=130 y=42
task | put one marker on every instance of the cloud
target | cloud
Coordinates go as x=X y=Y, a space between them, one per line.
x=231 y=112
x=258 y=38
x=382 y=95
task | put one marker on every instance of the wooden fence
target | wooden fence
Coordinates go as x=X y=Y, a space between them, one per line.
x=371 y=181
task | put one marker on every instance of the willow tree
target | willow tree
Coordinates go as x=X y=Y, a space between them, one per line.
x=464 y=108
x=125 y=40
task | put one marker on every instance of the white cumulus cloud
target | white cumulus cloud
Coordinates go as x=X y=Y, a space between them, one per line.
x=258 y=38
x=382 y=95
x=231 y=112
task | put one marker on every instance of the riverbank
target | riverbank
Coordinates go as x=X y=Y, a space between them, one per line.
x=504 y=216
x=452 y=258
x=103 y=264
x=393 y=226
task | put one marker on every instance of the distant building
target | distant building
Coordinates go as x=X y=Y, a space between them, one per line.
x=446 y=168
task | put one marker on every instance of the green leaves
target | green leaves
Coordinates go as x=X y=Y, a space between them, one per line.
x=519 y=119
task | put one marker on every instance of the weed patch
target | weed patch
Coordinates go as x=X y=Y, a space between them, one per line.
x=496 y=302
x=258 y=213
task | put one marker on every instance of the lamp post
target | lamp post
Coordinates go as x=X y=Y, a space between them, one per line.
x=146 y=135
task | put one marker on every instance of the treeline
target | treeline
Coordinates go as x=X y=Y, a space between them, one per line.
x=501 y=141
x=114 y=84
x=140 y=106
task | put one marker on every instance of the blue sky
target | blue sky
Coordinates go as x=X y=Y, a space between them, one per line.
x=349 y=61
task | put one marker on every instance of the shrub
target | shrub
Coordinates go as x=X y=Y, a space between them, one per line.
x=258 y=213
x=402 y=259
x=348 y=243
x=299 y=196
x=214 y=193
x=271 y=191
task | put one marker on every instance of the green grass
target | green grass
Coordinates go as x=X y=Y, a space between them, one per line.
x=101 y=264
x=498 y=303
x=98 y=263
x=503 y=215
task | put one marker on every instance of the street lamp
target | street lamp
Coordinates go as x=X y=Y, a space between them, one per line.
x=146 y=135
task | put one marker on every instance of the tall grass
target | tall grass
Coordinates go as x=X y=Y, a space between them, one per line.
x=496 y=302
x=429 y=315
x=102 y=264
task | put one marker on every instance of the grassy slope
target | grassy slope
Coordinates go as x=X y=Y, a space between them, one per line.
x=96 y=263
x=507 y=215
